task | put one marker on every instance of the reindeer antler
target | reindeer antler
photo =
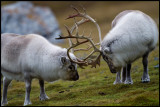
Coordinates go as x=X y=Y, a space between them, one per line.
x=84 y=15
x=86 y=18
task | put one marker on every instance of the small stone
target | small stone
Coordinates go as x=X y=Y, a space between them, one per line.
x=68 y=90
x=61 y=92
x=106 y=77
x=71 y=86
x=156 y=58
x=101 y=93
x=157 y=66
x=102 y=72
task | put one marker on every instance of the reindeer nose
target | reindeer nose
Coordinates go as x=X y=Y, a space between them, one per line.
x=76 y=77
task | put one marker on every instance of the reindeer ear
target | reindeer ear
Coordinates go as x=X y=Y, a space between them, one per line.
x=63 y=60
x=107 y=50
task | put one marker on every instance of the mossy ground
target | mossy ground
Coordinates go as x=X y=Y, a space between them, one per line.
x=95 y=86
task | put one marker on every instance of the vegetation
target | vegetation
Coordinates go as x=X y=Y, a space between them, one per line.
x=95 y=86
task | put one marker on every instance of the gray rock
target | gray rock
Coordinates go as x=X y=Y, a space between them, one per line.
x=25 y=18
x=157 y=66
x=61 y=92
x=156 y=58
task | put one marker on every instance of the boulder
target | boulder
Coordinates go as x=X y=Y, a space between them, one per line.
x=25 y=18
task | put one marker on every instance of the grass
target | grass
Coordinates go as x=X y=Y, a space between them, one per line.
x=95 y=86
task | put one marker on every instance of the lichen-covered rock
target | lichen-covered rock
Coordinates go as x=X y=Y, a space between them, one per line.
x=25 y=18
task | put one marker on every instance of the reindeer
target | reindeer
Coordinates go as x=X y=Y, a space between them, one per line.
x=26 y=57
x=133 y=35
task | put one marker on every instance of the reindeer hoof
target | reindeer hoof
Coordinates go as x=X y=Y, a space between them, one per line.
x=3 y=103
x=128 y=82
x=43 y=97
x=27 y=103
x=117 y=82
x=146 y=80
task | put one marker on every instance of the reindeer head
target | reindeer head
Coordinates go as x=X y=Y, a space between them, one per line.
x=67 y=69
x=87 y=60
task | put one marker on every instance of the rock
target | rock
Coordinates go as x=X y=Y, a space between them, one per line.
x=67 y=90
x=156 y=58
x=106 y=77
x=71 y=86
x=25 y=18
x=61 y=92
x=157 y=66
x=101 y=72
x=102 y=93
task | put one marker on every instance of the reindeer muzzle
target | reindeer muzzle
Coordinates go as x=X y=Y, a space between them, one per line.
x=76 y=77
x=110 y=64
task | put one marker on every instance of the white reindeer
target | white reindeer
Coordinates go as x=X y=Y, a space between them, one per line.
x=133 y=35
x=32 y=56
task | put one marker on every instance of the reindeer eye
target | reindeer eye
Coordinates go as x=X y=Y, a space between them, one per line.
x=72 y=67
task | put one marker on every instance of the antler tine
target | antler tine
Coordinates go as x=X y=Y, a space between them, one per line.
x=80 y=63
x=75 y=15
x=79 y=23
x=76 y=26
x=97 y=61
x=90 y=34
x=84 y=9
x=69 y=32
x=83 y=32
x=75 y=9
x=72 y=29
x=85 y=49
x=76 y=30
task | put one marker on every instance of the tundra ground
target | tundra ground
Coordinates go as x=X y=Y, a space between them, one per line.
x=95 y=86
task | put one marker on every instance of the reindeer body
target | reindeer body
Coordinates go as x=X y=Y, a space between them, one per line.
x=133 y=35
x=32 y=56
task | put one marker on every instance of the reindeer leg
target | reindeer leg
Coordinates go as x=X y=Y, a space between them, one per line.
x=43 y=95
x=118 y=80
x=145 y=78
x=128 y=75
x=28 y=81
x=123 y=74
x=6 y=82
